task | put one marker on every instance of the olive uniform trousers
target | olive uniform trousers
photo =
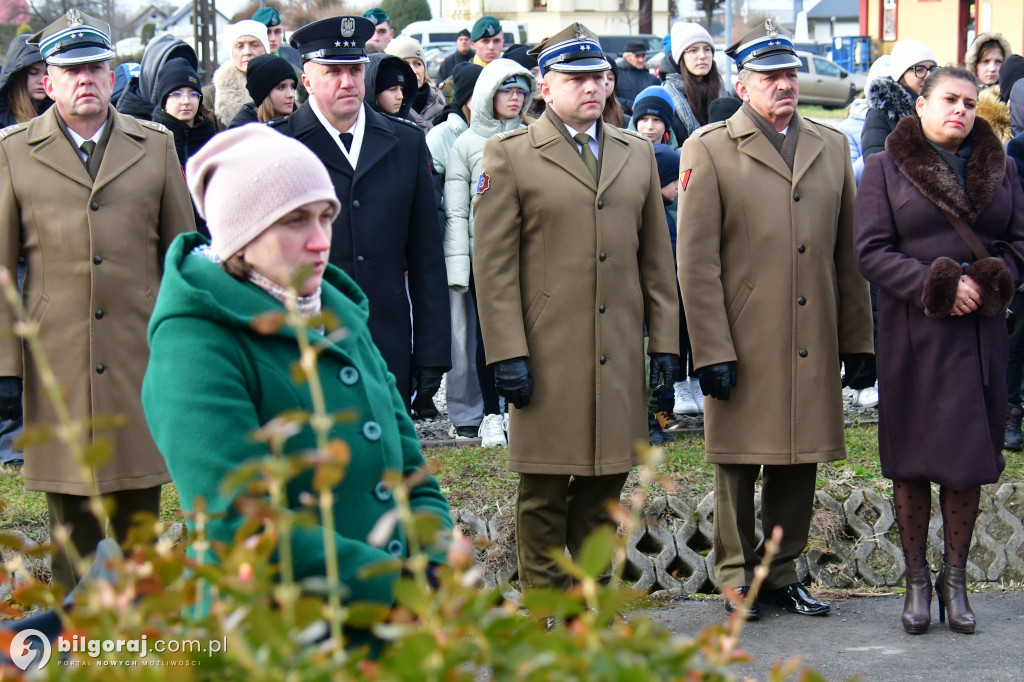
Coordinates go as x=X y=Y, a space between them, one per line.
x=554 y=512
x=787 y=499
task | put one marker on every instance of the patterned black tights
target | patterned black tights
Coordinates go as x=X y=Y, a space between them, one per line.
x=959 y=512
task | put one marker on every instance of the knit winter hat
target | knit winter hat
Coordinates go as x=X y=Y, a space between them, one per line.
x=264 y=73
x=406 y=48
x=389 y=74
x=686 y=35
x=668 y=163
x=723 y=108
x=247 y=27
x=654 y=101
x=517 y=80
x=176 y=73
x=464 y=77
x=520 y=55
x=247 y=178
x=908 y=53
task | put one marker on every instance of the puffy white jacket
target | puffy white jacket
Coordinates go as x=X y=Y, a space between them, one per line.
x=465 y=162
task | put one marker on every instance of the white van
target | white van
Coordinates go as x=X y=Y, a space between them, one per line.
x=437 y=31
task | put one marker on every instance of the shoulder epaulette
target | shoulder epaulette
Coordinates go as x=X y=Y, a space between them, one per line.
x=399 y=119
x=511 y=133
x=155 y=126
x=10 y=130
x=278 y=122
x=708 y=128
x=632 y=132
x=824 y=124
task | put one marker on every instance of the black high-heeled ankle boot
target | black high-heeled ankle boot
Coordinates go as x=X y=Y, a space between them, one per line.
x=951 y=587
x=917 y=604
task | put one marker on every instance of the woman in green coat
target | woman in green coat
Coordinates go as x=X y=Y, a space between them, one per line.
x=213 y=379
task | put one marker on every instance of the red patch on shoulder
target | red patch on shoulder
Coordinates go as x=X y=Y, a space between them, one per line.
x=483 y=183
x=684 y=178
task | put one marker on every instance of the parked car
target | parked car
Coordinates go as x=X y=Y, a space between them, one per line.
x=435 y=55
x=825 y=83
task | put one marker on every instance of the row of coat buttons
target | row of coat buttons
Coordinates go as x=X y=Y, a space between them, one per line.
x=371 y=429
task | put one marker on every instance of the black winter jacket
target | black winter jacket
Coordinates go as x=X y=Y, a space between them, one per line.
x=629 y=82
x=890 y=103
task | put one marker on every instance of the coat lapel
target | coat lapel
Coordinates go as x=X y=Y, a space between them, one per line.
x=52 y=149
x=378 y=140
x=808 y=148
x=755 y=145
x=614 y=154
x=123 y=149
x=557 y=149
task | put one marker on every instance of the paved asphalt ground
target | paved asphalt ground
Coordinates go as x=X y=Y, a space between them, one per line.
x=863 y=639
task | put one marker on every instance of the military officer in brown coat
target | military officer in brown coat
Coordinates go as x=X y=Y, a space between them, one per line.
x=773 y=300
x=572 y=260
x=91 y=199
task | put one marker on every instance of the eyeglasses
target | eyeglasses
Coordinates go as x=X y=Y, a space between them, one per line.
x=921 y=71
x=178 y=94
x=699 y=49
x=513 y=92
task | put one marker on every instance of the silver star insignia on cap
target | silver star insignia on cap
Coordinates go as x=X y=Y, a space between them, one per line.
x=337 y=43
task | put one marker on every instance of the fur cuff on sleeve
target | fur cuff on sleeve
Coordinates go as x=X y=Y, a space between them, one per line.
x=996 y=285
x=940 y=287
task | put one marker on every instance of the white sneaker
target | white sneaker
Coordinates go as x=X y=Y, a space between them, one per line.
x=491 y=433
x=684 y=403
x=867 y=397
x=698 y=397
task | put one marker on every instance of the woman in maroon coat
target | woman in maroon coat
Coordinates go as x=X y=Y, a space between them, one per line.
x=942 y=340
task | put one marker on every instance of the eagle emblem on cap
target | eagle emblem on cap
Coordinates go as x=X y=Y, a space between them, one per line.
x=74 y=18
x=348 y=27
x=769 y=28
x=581 y=32
x=489 y=31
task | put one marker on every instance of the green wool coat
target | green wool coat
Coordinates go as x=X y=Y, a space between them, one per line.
x=212 y=380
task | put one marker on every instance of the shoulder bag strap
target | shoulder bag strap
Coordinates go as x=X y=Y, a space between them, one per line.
x=968 y=235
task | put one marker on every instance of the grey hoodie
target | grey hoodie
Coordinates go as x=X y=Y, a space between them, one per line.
x=465 y=162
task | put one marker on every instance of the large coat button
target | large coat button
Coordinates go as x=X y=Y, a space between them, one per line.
x=99 y=314
x=349 y=375
x=355 y=203
x=796 y=196
x=803 y=352
x=601 y=308
x=395 y=548
x=382 y=492
x=602 y=257
x=600 y=204
x=371 y=431
x=801 y=248
x=99 y=369
x=603 y=359
x=97 y=259
x=802 y=300
x=95 y=205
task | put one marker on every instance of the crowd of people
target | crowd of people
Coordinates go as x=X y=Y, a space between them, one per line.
x=587 y=252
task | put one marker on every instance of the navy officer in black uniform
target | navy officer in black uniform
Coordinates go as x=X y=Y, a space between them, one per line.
x=387 y=227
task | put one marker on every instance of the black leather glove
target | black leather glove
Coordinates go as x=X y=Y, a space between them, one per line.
x=853 y=363
x=664 y=369
x=10 y=398
x=425 y=382
x=513 y=381
x=718 y=380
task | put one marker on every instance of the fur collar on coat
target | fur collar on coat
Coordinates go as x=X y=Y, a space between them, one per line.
x=229 y=93
x=996 y=112
x=931 y=175
x=891 y=99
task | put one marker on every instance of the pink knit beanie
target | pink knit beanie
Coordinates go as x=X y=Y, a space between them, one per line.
x=247 y=178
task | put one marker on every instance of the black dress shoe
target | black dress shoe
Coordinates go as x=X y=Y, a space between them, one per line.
x=795 y=599
x=740 y=593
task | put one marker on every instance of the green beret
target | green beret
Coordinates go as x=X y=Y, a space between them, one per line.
x=268 y=16
x=485 y=27
x=377 y=16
